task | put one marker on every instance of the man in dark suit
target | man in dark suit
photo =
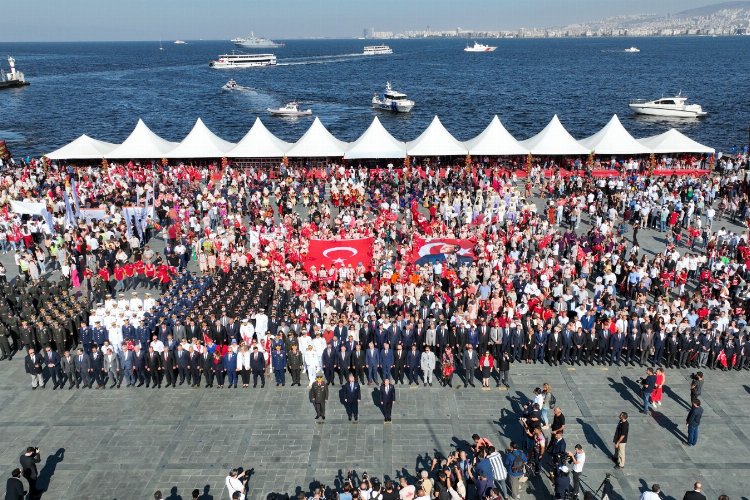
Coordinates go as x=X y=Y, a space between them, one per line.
x=182 y=363
x=82 y=364
x=343 y=363
x=387 y=398
x=28 y=465
x=153 y=368
x=352 y=397
x=52 y=364
x=14 y=487
x=413 y=362
x=230 y=365
x=68 y=370
x=386 y=360
x=471 y=363
x=399 y=365
x=258 y=367
x=139 y=366
x=328 y=360
x=168 y=365
x=696 y=494
x=693 y=422
x=206 y=361
x=127 y=372
x=195 y=367
x=97 y=368
x=358 y=363
x=372 y=362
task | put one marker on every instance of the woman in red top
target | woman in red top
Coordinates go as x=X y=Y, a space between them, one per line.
x=486 y=364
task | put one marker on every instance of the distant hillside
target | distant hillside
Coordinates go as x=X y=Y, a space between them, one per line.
x=711 y=9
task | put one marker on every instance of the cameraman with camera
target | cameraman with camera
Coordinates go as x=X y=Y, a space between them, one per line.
x=578 y=458
x=28 y=464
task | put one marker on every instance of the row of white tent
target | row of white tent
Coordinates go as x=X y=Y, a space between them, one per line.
x=377 y=143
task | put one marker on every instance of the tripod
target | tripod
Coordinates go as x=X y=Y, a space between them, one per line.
x=605 y=487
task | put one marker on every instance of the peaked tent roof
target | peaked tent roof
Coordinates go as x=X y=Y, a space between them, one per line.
x=83 y=148
x=674 y=141
x=613 y=139
x=435 y=141
x=317 y=142
x=495 y=140
x=259 y=143
x=201 y=143
x=142 y=143
x=554 y=140
x=376 y=142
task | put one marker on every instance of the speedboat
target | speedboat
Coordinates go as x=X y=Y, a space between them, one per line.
x=180 y=42
x=479 y=47
x=673 y=107
x=289 y=109
x=391 y=100
x=231 y=85
x=633 y=49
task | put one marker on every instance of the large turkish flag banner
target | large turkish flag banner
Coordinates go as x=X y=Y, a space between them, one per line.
x=430 y=250
x=339 y=253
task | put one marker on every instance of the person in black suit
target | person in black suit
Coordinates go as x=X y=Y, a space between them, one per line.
x=358 y=363
x=387 y=398
x=28 y=465
x=195 y=367
x=153 y=368
x=14 y=487
x=258 y=367
x=343 y=363
x=52 y=363
x=139 y=366
x=82 y=364
x=352 y=397
x=399 y=365
x=168 y=365
x=183 y=364
x=207 y=368
x=97 y=368
x=696 y=494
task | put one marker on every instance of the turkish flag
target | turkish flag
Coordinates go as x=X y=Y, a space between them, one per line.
x=427 y=250
x=339 y=253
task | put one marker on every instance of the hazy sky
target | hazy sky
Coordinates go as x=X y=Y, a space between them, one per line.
x=62 y=20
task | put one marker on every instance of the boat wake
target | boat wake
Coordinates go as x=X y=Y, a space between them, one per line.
x=319 y=59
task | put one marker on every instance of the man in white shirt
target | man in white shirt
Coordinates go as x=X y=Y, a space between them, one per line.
x=653 y=494
x=579 y=459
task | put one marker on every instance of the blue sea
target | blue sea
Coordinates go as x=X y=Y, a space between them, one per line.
x=101 y=89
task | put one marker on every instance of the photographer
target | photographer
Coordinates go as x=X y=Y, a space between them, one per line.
x=578 y=458
x=557 y=449
x=562 y=482
x=515 y=464
x=696 y=385
x=28 y=465
x=236 y=481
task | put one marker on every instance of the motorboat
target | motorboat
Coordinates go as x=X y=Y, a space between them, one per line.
x=228 y=61
x=180 y=42
x=377 y=50
x=674 y=107
x=13 y=79
x=232 y=85
x=256 y=42
x=392 y=100
x=479 y=47
x=289 y=109
x=633 y=50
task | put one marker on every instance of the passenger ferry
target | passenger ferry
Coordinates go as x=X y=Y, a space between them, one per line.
x=377 y=50
x=228 y=61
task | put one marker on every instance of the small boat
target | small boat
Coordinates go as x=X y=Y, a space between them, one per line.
x=180 y=42
x=672 y=107
x=633 y=50
x=479 y=47
x=14 y=78
x=289 y=109
x=232 y=85
x=391 y=100
x=377 y=50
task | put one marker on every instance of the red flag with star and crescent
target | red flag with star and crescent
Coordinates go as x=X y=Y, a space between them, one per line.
x=339 y=253
x=426 y=250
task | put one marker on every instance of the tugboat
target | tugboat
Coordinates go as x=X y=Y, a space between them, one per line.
x=14 y=78
x=391 y=100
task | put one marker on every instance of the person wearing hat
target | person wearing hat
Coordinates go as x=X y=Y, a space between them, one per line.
x=319 y=396
x=294 y=363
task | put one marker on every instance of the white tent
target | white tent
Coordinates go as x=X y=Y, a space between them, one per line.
x=259 y=143
x=554 y=140
x=435 y=141
x=317 y=142
x=376 y=142
x=142 y=143
x=495 y=140
x=673 y=141
x=201 y=143
x=83 y=148
x=613 y=139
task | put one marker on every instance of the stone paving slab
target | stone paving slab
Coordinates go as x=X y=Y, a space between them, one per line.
x=124 y=444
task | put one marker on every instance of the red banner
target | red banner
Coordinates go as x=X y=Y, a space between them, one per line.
x=428 y=250
x=339 y=253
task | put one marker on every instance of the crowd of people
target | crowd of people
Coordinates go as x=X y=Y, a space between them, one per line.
x=556 y=273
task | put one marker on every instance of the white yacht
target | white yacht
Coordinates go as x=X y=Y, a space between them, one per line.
x=289 y=109
x=377 y=50
x=180 y=42
x=479 y=47
x=391 y=100
x=226 y=61
x=633 y=50
x=256 y=42
x=674 y=107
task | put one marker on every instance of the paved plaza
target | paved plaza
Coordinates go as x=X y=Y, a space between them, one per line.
x=125 y=444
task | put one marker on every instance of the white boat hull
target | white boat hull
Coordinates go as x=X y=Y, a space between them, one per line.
x=231 y=65
x=394 y=107
x=670 y=113
x=488 y=49
x=281 y=112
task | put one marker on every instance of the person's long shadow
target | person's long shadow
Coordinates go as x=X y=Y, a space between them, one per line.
x=376 y=399
x=622 y=389
x=673 y=396
x=461 y=444
x=594 y=438
x=747 y=388
x=664 y=422
x=173 y=494
x=509 y=426
x=45 y=475
x=206 y=493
